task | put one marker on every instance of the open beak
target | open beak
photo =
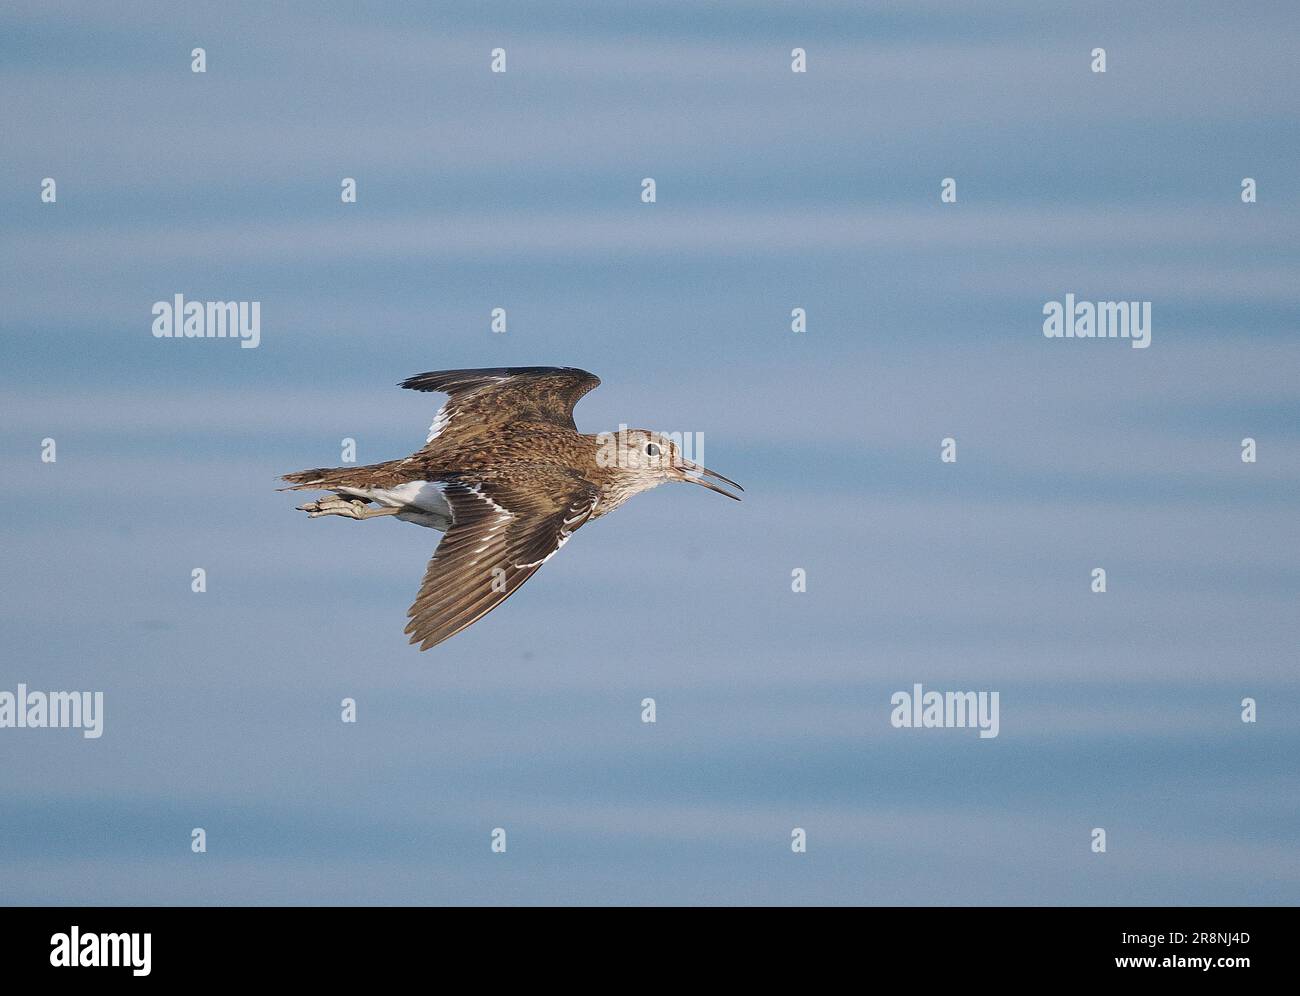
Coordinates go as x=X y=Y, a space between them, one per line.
x=693 y=473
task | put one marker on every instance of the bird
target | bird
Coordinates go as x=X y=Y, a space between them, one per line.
x=507 y=477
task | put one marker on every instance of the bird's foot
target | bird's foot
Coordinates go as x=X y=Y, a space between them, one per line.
x=352 y=508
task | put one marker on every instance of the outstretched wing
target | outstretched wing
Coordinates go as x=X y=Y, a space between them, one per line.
x=502 y=531
x=483 y=400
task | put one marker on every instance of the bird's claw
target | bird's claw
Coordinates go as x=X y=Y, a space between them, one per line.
x=352 y=508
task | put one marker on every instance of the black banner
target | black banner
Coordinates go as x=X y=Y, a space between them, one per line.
x=144 y=945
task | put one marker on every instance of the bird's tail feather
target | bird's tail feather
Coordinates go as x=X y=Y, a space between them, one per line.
x=327 y=478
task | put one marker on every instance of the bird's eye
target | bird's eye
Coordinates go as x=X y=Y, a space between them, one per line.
x=651 y=449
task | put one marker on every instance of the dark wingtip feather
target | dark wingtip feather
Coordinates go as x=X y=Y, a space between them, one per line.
x=455 y=380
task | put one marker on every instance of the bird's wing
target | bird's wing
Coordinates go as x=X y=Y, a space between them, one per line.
x=483 y=400
x=502 y=531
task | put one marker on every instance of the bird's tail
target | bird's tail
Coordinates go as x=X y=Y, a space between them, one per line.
x=327 y=478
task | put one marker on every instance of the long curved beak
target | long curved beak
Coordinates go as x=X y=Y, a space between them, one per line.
x=693 y=473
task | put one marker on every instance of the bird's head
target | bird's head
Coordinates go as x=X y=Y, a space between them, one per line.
x=643 y=459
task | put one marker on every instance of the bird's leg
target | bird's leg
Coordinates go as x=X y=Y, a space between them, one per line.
x=352 y=508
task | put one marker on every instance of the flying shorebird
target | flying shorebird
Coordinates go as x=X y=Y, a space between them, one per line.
x=508 y=477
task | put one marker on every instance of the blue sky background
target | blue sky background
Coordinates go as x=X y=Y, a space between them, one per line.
x=775 y=190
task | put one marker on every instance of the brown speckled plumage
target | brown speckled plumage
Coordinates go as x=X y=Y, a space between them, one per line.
x=516 y=476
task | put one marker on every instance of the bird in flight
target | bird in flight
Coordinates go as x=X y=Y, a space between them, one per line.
x=507 y=477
